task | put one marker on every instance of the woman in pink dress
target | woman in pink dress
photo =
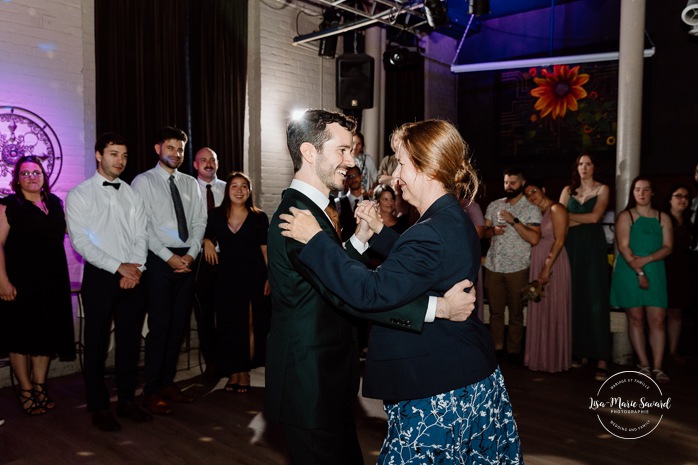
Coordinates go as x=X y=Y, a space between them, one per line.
x=548 y=327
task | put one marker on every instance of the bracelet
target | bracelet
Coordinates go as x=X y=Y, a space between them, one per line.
x=640 y=273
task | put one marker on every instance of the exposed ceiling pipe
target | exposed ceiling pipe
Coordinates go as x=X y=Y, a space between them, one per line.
x=395 y=10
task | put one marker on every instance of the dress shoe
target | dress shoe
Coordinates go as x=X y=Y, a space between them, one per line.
x=130 y=410
x=175 y=394
x=156 y=405
x=105 y=421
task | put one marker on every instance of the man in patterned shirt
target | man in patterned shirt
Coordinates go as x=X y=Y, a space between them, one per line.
x=514 y=226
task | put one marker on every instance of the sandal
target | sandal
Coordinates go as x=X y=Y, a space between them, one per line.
x=231 y=387
x=242 y=388
x=42 y=397
x=645 y=371
x=660 y=377
x=28 y=402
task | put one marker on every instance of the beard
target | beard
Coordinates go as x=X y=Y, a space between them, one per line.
x=327 y=174
x=513 y=193
x=171 y=164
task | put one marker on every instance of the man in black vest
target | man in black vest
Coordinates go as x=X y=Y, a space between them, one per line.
x=347 y=203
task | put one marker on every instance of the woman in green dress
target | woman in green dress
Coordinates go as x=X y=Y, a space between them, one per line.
x=644 y=237
x=586 y=200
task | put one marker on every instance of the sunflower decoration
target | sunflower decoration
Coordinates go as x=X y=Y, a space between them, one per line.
x=559 y=91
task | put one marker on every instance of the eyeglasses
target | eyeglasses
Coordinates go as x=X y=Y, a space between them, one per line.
x=30 y=174
x=680 y=196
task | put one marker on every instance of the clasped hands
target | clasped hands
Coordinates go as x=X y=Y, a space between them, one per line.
x=130 y=275
x=301 y=225
x=181 y=263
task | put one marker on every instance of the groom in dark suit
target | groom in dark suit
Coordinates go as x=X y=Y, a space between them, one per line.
x=312 y=369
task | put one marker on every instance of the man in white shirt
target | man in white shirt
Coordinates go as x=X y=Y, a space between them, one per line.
x=176 y=224
x=347 y=203
x=212 y=193
x=108 y=227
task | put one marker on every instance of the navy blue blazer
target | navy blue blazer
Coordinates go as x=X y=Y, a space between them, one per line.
x=441 y=249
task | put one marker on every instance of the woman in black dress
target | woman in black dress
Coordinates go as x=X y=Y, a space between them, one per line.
x=678 y=265
x=34 y=283
x=242 y=289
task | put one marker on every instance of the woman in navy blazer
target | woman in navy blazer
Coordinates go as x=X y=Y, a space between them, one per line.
x=442 y=389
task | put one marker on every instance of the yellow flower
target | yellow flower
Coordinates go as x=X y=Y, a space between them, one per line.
x=559 y=91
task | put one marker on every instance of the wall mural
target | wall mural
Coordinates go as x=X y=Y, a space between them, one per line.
x=23 y=132
x=559 y=111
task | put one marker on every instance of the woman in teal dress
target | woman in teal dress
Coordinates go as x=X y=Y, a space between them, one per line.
x=644 y=237
x=586 y=200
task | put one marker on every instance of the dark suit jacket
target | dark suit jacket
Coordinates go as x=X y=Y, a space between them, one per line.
x=441 y=249
x=346 y=218
x=312 y=368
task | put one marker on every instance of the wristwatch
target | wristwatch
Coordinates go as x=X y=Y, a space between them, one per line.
x=640 y=273
x=516 y=220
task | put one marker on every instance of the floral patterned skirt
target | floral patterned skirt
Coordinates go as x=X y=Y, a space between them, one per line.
x=471 y=425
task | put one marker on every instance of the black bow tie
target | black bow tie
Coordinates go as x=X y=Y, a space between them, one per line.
x=115 y=185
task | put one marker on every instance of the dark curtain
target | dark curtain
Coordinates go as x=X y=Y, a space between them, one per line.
x=404 y=97
x=218 y=50
x=145 y=53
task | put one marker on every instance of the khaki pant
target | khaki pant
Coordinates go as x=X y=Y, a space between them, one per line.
x=504 y=290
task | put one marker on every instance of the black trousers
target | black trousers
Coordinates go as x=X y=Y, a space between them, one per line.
x=204 y=308
x=169 y=303
x=103 y=301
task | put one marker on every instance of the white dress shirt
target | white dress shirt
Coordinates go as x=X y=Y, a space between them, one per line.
x=107 y=226
x=321 y=200
x=154 y=187
x=217 y=187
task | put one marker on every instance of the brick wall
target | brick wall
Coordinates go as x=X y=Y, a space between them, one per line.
x=284 y=77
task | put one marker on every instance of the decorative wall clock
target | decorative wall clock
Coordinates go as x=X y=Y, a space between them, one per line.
x=23 y=132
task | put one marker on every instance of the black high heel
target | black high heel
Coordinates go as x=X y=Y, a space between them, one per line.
x=27 y=396
x=42 y=397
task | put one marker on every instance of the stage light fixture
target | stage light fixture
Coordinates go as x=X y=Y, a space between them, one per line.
x=436 y=13
x=328 y=45
x=479 y=7
x=399 y=57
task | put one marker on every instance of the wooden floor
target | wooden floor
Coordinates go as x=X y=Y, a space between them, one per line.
x=555 y=425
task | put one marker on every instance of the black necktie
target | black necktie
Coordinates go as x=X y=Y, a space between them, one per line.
x=356 y=204
x=210 y=203
x=182 y=229
x=115 y=185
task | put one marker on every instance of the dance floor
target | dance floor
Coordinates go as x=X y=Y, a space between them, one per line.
x=220 y=428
